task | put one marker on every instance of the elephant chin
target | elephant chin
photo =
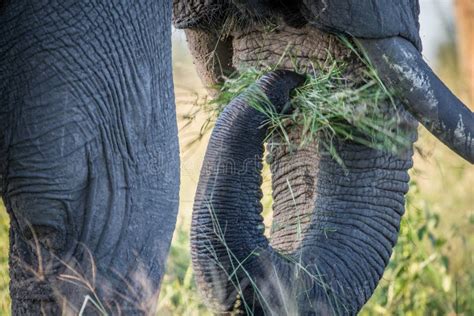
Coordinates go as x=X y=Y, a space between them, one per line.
x=334 y=226
x=401 y=66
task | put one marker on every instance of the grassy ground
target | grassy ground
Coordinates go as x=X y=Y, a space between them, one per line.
x=430 y=272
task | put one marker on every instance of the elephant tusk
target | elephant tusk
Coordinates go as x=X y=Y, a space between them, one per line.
x=400 y=65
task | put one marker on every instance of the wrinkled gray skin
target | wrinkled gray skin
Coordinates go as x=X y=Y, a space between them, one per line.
x=89 y=158
x=333 y=227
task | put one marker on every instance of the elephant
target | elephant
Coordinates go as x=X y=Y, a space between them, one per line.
x=336 y=223
x=89 y=154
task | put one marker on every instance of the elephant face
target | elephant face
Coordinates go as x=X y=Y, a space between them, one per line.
x=90 y=163
x=385 y=30
x=334 y=226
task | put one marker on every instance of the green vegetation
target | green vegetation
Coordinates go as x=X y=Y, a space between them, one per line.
x=179 y=295
x=4 y=277
x=331 y=103
x=422 y=277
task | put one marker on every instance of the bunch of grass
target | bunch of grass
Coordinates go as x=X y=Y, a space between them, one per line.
x=329 y=105
x=326 y=106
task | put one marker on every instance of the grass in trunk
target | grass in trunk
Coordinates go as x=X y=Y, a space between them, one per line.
x=328 y=105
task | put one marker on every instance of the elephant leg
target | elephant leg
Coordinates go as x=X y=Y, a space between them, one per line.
x=89 y=156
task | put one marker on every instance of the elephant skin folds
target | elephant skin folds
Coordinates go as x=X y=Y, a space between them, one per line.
x=89 y=151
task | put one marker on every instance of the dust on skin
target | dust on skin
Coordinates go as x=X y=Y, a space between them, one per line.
x=416 y=78
x=460 y=132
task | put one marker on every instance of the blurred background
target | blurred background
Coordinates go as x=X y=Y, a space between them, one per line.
x=431 y=271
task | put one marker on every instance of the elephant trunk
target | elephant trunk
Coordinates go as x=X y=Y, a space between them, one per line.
x=222 y=235
x=401 y=66
x=334 y=225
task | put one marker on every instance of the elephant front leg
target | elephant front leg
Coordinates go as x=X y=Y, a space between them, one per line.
x=41 y=244
x=88 y=153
